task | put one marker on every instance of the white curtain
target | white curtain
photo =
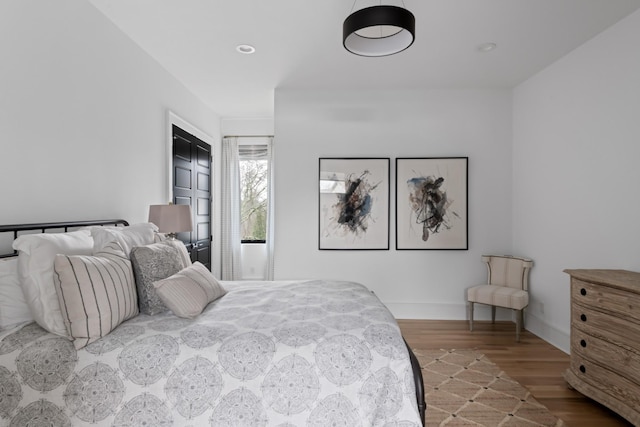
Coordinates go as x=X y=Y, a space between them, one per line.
x=231 y=238
x=269 y=267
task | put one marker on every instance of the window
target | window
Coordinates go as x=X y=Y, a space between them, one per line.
x=254 y=172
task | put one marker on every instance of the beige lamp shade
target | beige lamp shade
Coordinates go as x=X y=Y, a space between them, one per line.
x=171 y=218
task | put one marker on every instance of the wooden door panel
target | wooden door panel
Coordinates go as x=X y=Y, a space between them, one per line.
x=203 y=255
x=182 y=200
x=182 y=178
x=204 y=156
x=192 y=186
x=203 y=207
x=204 y=181
x=202 y=230
x=182 y=148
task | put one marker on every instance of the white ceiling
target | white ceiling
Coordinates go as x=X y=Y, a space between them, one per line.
x=299 y=44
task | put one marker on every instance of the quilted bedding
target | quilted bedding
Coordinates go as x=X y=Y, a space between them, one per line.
x=309 y=353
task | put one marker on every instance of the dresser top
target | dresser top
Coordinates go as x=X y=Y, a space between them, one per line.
x=622 y=279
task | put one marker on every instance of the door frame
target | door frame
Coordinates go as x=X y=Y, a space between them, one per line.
x=174 y=119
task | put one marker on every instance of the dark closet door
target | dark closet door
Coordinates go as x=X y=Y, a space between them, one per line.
x=192 y=186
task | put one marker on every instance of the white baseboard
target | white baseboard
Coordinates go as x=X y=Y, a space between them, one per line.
x=550 y=334
x=407 y=310
x=439 y=311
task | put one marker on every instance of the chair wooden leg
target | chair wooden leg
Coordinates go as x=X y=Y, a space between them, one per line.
x=518 y=324
x=470 y=316
x=493 y=314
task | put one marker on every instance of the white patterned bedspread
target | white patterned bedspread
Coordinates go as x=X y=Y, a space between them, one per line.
x=312 y=353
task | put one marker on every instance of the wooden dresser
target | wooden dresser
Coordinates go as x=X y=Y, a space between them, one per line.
x=605 y=339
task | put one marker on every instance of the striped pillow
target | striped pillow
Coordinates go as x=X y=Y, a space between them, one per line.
x=189 y=291
x=96 y=293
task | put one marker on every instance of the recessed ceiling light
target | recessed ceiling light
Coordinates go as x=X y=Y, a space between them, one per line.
x=486 y=47
x=247 y=49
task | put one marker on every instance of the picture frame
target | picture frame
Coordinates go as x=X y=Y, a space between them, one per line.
x=432 y=203
x=354 y=208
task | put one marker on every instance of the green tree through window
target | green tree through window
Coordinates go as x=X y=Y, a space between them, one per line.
x=253 y=200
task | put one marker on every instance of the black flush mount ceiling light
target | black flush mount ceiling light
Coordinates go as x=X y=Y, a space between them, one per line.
x=378 y=30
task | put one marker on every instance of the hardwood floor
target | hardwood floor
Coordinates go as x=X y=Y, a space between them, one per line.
x=532 y=362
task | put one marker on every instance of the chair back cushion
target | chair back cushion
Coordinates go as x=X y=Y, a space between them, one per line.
x=509 y=271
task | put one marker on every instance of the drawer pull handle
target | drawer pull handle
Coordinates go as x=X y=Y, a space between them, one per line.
x=583 y=369
x=583 y=343
x=583 y=292
x=583 y=317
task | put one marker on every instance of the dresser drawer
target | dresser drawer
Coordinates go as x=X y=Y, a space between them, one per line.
x=617 y=330
x=616 y=359
x=609 y=383
x=608 y=299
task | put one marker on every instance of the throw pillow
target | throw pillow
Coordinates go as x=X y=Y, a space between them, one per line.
x=96 y=293
x=151 y=263
x=128 y=237
x=188 y=292
x=13 y=307
x=185 y=258
x=36 y=255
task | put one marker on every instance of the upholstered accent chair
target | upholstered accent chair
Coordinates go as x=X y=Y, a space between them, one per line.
x=507 y=286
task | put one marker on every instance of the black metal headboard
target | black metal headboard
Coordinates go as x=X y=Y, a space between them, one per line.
x=17 y=228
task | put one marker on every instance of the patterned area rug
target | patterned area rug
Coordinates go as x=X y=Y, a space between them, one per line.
x=464 y=388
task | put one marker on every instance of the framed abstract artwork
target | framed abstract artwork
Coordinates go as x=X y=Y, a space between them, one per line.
x=354 y=204
x=431 y=203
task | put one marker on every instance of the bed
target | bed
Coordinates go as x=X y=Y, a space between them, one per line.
x=283 y=353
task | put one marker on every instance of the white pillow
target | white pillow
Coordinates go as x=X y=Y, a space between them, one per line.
x=189 y=291
x=13 y=307
x=128 y=237
x=96 y=293
x=36 y=255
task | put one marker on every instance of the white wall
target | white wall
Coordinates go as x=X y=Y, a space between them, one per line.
x=418 y=284
x=83 y=116
x=576 y=174
x=260 y=126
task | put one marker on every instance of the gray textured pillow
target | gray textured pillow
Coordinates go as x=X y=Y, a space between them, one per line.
x=152 y=263
x=184 y=254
